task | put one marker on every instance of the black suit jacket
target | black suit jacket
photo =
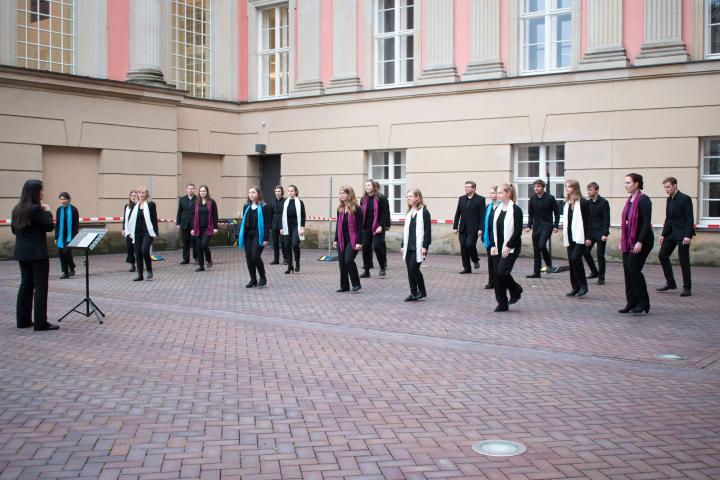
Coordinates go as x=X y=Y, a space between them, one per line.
x=185 y=212
x=586 y=219
x=75 y=222
x=276 y=209
x=31 y=242
x=679 y=218
x=600 y=218
x=645 y=233
x=469 y=216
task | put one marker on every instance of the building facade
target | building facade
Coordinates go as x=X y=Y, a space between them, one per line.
x=97 y=97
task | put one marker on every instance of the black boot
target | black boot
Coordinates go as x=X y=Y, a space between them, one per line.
x=297 y=266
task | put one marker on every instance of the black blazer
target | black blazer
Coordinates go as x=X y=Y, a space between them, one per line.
x=516 y=237
x=645 y=233
x=186 y=212
x=469 y=217
x=31 y=242
x=384 y=211
x=267 y=219
x=679 y=218
x=427 y=228
x=600 y=219
x=75 y=221
x=153 y=216
x=276 y=209
x=542 y=210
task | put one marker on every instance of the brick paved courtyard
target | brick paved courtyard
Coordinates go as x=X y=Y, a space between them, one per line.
x=194 y=376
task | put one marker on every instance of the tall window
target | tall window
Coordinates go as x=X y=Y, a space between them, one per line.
x=273 y=54
x=45 y=31
x=388 y=168
x=191 y=46
x=710 y=179
x=712 y=28
x=534 y=162
x=547 y=35
x=395 y=42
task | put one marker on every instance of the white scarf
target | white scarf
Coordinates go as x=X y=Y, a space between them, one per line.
x=126 y=222
x=298 y=213
x=133 y=220
x=578 y=232
x=419 y=233
x=508 y=225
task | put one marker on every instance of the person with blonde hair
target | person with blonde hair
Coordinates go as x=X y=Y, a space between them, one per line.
x=576 y=235
x=348 y=238
x=143 y=228
x=416 y=242
x=505 y=242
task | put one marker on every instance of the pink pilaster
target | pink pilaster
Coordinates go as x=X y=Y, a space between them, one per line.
x=633 y=27
x=461 y=39
x=243 y=57
x=326 y=41
x=118 y=39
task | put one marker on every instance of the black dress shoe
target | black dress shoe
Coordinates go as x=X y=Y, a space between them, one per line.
x=139 y=278
x=572 y=293
x=47 y=326
x=365 y=274
x=297 y=267
x=489 y=286
x=639 y=310
x=476 y=265
x=149 y=275
x=382 y=273
x=341 y=290
x=601 y=281
x=533 y=275
x=290 y=269
x=422 y=295
x=666 y=287
x=64 y=276
x=200 y=269
x=209 y=264
x=356 y=288
x=132 y=269
x=583 y=291
x=551 y=269
x=685 y=292
x=72 y=272
x=184 y=262
x=514 y=298
x=501 y=308
x=275 y=262
x=627 y=309
x=262 y=282
x=412 y=297
x=251 y=284
x=463 y=272
x=593 y=275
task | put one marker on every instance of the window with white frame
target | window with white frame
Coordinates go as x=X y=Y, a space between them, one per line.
x=710 y=179
x=394 y=42
x=546 y=27
x=191 y=46
x=534 y=162
x=712 y=28
x=388 y=169
x=273 y=52
x=45 y=35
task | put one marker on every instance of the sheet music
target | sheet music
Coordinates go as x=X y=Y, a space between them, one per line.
x=87 y=240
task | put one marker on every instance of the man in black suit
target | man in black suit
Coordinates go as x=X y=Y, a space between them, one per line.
x=184 y=223
x=276 y=210
x=541 y=208
x=599 y=231
x=468 y=223
x=677 y=232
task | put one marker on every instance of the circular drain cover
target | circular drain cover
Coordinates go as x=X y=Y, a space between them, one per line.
x=499 y=448
x=670 y=356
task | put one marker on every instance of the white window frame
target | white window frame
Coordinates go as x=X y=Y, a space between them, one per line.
x=706 y=179
x=550 y=15
x=61 y=66
x=277 y=52
x=707 y=25
x=201 y=91
x=397 y=34
x=391 y=182
x=542 y=171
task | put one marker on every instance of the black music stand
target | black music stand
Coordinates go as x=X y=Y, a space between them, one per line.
x=87 y=239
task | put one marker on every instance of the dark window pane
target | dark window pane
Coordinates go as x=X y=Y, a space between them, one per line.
x=715 y=11
x=715 y=39
x=712 y=166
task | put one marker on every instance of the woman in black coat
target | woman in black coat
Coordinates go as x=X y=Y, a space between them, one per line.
x=31 y=221
x=143 y=226
x=505 y=243
x=254 y=236
x=348 y=238
x=576 y=235
x=130 y=257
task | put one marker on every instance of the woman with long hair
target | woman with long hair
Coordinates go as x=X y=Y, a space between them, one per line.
x=505 y=237
x=636 y=242
x=348 y=238
x=416 y=242
x=205 y=223
x=143 y=228
x=255 y=235
x=375 y=221
x=293 y=227
x=130 y=256
x=576 y=235
x=66 y=228
x=31 y=221
x=489 y=210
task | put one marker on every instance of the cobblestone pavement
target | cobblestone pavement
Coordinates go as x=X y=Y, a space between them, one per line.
x=194 y=376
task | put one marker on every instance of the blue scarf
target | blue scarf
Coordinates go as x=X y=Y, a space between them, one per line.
x=261 y=226
x=486 y=234
x=68 y=226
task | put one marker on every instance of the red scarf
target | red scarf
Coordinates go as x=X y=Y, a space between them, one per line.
x=364 y=202
x=629 y=228
x=352 y=227
x=196 y=223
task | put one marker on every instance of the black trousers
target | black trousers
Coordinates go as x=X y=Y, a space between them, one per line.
x=504 y=281
x=130 y=256
x=415 y=276
x=636 y=292
x=468 y=248
x=348 y=269
x=202 y=245
x=373 y=243
x=600 y=269
x=277 y=245
x=67 y=262
x=575 y=254
x=143 y=242
x=491 y=267
x=188 y=243
x=540 y=236
x=666 y=250
x=292 y=246
x=253 y=255
x=33 y=290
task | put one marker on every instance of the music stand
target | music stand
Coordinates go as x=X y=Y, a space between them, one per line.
x=87 y=239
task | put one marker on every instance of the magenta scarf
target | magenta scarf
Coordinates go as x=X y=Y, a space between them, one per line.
x=196 y=222
x=629 y=228
x=352 y=227
x=375 y=224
